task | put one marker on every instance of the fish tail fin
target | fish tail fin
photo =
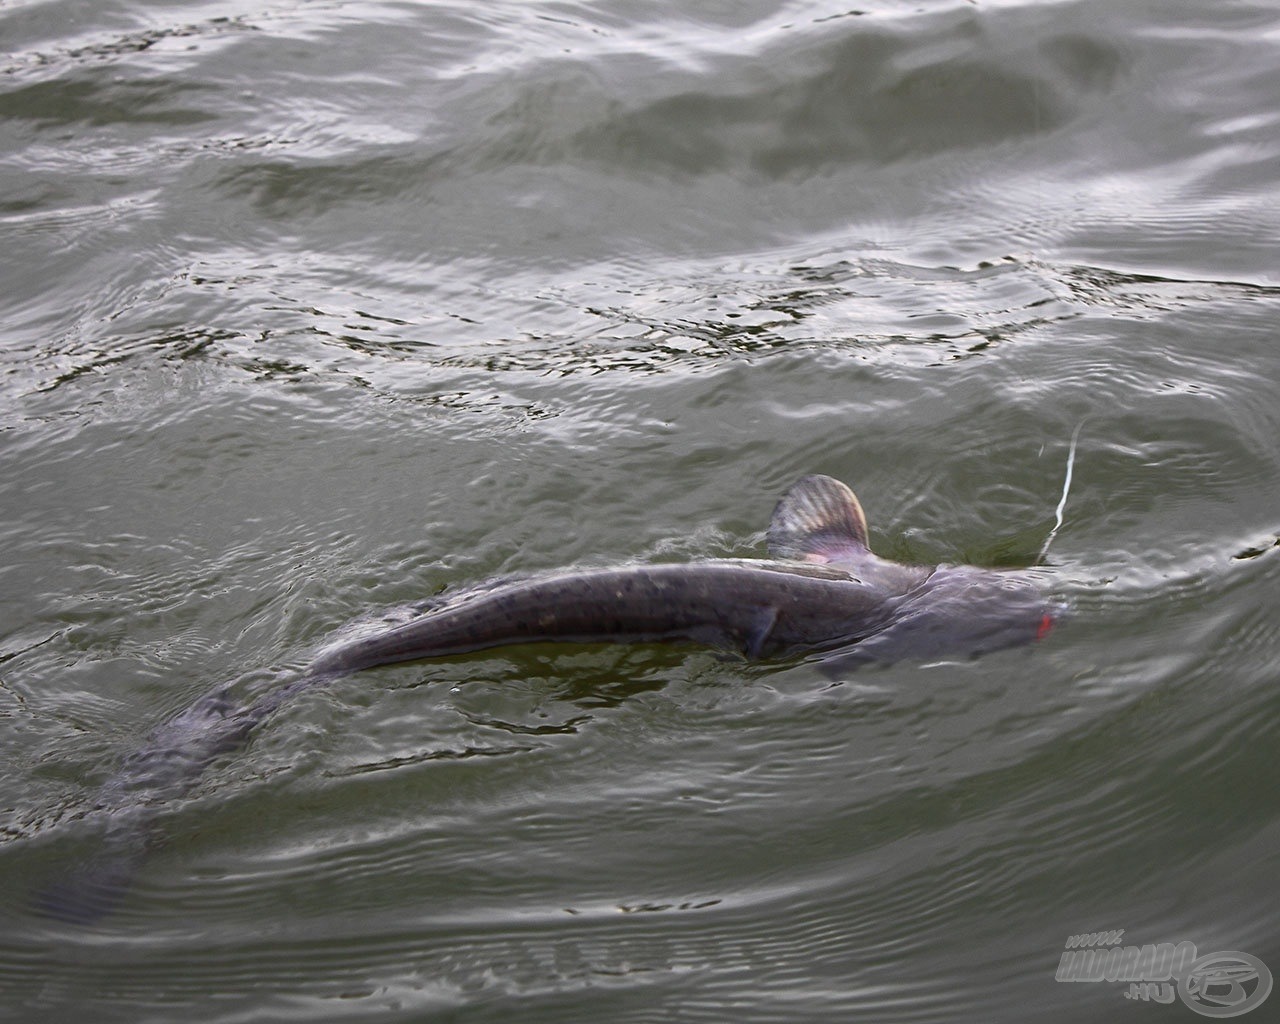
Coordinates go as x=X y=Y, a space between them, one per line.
x=163 y=770
x=96 y=886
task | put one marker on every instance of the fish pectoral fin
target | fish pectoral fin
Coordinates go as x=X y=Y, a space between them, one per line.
x=757 y=634
x=818 y=520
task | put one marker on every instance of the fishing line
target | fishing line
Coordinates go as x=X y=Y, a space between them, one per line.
x=1066 y=488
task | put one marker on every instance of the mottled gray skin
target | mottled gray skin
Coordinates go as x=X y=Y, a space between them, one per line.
x=763 y=609
x=824 y=593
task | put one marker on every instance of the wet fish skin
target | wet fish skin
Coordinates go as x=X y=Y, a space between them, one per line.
x=824 y=588
x=763 y=609
x=823 y=592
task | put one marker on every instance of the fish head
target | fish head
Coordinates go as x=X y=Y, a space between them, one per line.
x=965 y=611
x=930 y=612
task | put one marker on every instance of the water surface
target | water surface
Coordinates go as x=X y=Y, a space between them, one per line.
x=314 y=309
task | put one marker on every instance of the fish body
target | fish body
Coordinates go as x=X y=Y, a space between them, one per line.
x=822 y=592
x=763 y=609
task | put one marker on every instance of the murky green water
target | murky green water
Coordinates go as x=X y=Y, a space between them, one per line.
x=312 y=309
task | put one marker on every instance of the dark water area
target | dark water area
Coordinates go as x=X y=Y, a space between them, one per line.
x=312 y=310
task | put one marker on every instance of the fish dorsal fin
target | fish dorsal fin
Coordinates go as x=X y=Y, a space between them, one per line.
x=818 y=520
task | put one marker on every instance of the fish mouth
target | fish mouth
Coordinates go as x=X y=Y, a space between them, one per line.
x=1053 y=614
